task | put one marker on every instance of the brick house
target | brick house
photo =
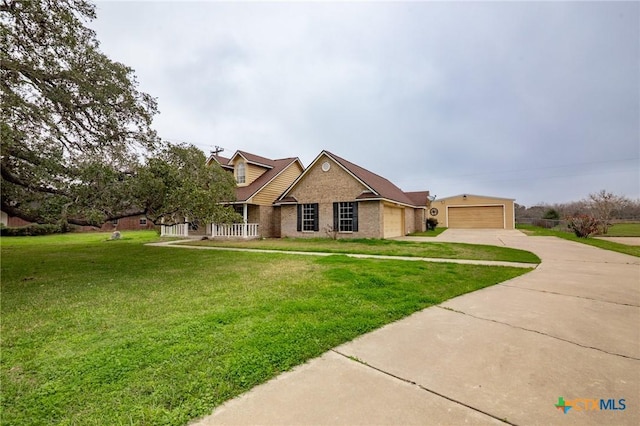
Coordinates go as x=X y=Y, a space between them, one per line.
x=131 y=223
x=338 y=198
x=279 y=198
x=259 y=181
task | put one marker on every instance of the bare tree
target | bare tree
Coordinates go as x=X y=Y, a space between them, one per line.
x=604 y=205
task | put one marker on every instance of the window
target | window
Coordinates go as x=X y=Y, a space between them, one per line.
x=143 y=221
x=240 y=173
x=308 y=218
x=114 y=222
x=345 y=217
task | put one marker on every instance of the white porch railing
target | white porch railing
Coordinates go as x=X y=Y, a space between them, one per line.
x=235 y=230
x=177 y=230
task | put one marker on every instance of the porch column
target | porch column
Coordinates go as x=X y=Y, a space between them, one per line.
x=244 y=221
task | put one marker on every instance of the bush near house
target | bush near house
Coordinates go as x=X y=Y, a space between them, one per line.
x=583 y=225
x=30 y=230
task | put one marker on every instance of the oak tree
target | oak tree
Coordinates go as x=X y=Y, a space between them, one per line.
x=72 y=120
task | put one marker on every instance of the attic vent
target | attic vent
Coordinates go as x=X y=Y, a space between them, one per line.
x=326 y=166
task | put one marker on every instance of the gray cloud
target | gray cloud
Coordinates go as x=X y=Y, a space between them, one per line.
x=535 y=101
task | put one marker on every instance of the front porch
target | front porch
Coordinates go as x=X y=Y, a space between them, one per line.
x=234 y=230
x=213 y=230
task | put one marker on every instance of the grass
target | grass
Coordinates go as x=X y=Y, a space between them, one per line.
x=433 y=233
x=113 y=332
x=603 y=244
x=382 y=247
x=624 y=230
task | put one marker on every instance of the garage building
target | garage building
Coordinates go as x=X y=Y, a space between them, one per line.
x=474 y=212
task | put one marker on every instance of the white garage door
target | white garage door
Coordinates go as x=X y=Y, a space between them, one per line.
x=393 y=223
x=490 y=217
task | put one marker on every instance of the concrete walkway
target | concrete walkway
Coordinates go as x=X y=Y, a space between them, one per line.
x=504 y=354
x=630 y=241
x=173 y=244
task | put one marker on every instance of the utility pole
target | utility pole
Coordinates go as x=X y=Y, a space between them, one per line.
x=217 y=150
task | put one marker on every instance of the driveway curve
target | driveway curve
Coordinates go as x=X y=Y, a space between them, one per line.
x=504 y=354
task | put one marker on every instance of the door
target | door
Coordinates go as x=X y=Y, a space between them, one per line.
x=476 y=217
x=393 y=222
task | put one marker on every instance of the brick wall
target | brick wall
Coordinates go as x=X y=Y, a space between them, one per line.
x=265 y=226
x=325 y=188
x=415 y=220
x=126 y=224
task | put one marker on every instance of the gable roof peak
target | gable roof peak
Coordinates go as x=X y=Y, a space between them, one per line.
x=378 y=186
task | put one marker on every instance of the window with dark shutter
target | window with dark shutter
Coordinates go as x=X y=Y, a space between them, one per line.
x=316 y=217
x=345 y=217
x=308 y=219
x=355 y=217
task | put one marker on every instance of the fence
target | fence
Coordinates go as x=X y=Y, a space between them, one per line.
x=235 y=230
x=543 y=223
x=177 y=230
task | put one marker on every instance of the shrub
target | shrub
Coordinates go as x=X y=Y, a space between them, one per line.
x=432 y=222
x=551 y=214
x=583 y=225
x=30 y=230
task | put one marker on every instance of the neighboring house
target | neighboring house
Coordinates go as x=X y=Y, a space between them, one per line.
x=474 y=211
x=12 y=221
x=334 y=197
x=131 y=223
x=259 y=182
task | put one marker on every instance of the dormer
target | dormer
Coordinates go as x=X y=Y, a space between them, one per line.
x=248 y=167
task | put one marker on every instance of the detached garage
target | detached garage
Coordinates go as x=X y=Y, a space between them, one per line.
x=474 y=212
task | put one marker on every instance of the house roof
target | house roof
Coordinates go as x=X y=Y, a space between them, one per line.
x=223 y=161
x=255 y=159
x=378 y=187
x=244 y=193
x=475 y=195
x=273 y=169
x=419 y=198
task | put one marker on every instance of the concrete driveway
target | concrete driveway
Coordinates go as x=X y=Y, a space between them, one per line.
x=504 y=354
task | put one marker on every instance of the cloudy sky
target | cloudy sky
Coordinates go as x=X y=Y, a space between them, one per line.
x=537 y=101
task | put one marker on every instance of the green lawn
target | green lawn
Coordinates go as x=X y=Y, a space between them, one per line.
x=607 y=245
x=115 y=332
x=624 y=230
x=433 y=233
x=383 y=247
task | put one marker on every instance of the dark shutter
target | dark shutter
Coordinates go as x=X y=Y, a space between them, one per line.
x=355 y=217
x=316 y=217
x=299 y=225
x=335 y=217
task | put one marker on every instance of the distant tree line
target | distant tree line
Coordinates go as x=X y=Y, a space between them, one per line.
x=599 y=210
